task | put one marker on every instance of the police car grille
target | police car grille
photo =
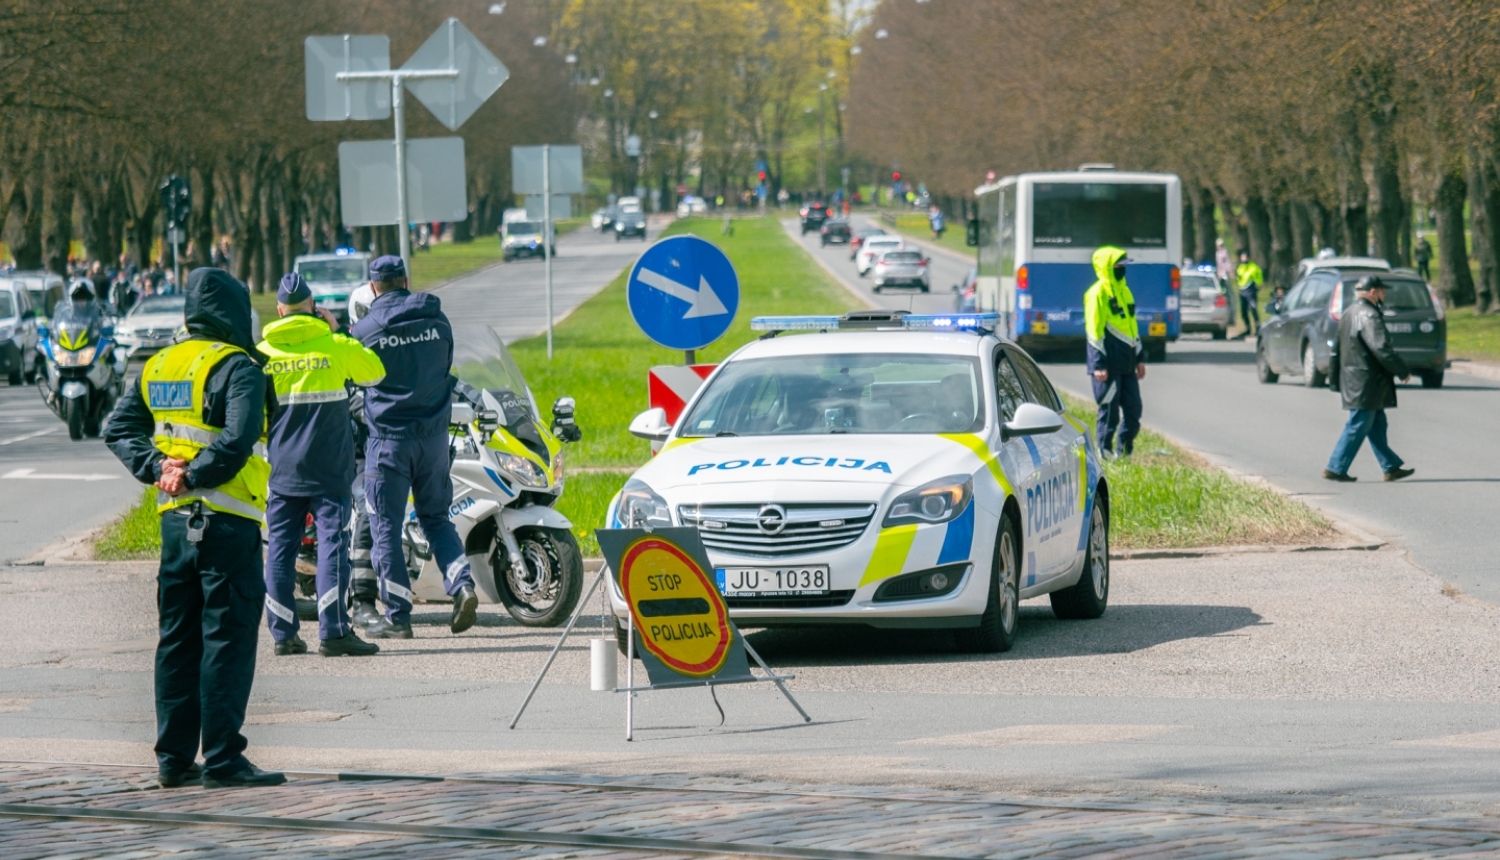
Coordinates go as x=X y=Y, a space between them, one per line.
x=810 y=528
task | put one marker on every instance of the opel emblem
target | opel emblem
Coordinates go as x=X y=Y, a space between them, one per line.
x=771 y=519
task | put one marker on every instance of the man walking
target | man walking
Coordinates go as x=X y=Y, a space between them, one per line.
x=312 y=465
x=1423 y=253
x=193 y=425
x=1365 y=369
x=1249 y=277
x=1116 y=359
x=408 y=414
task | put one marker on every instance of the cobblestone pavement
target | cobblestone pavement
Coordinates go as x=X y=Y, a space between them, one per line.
x=477 y=816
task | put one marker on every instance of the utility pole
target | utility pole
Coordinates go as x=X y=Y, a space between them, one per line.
x=822 y=161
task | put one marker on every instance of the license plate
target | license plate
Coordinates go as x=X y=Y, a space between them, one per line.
x=1039 y=327
x=773 y=581
x=1157 y=330
x=1058 y=316
x=1398 y=328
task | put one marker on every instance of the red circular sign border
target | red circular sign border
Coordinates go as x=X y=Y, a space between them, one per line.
x=720 y=654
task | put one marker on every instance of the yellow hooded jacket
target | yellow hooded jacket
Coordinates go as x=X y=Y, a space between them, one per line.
x=1114 y=339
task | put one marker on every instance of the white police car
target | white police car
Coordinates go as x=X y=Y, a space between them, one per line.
x=893 y=471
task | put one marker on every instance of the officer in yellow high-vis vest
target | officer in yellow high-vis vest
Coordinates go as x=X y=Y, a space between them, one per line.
x=194 y=424
x=312 y=465
x=1116 y=358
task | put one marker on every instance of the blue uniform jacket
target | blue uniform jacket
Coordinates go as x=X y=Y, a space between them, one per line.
x=412 y=336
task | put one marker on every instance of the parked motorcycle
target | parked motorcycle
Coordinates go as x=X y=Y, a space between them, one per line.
x=507 y=469
x=85 y=373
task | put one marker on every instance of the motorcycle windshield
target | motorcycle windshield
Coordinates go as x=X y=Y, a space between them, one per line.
x=77 y=323
x=480 y=359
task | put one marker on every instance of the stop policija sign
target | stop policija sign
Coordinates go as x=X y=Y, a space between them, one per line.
x=677 y=610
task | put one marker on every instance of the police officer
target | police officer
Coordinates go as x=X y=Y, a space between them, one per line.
x=408 y=416
x=193 y=425
x=1248 y=277
x=312 y=465
x=1116 y=359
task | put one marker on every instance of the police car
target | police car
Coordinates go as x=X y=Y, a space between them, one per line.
x=891 y=470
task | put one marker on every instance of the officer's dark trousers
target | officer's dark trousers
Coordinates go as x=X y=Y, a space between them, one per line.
x=395 y=468
x=209 y=599
x=1120 y=395
x=286 y=520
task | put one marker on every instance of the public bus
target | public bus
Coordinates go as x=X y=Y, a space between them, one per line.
x=1037 y=233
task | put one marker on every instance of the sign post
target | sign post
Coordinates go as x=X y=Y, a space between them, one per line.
x=683 y=293
x=547 y=170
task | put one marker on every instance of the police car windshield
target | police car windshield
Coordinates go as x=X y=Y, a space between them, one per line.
x=349 y=271
x=481 y=360
x=862 y=393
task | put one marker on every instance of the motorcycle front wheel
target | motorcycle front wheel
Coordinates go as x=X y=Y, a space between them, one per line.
x=73 y=409
x=545 y=593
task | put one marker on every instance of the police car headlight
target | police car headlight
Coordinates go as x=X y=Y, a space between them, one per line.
x=934 y=502
x=640 y=507
x=525 y=471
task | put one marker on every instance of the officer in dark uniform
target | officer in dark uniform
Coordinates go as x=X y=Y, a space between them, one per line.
x=312 y=465
x=194 y=425
x=408 y=415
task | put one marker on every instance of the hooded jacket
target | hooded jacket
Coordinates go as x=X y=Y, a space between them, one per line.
x=413 y=339
x=1109 y=325
x=311 y=440
x=236 y=396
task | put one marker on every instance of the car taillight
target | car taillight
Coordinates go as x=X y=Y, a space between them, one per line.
x=1023 y=279
x=1437 y=303
x=1176 y=279
x=1220 y=301
x=922 y=263
x=1336 y=304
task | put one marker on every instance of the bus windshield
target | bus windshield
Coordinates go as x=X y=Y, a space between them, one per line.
x=1090 y=214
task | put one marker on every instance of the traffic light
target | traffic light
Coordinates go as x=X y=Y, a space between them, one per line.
x=761 y=176
x=176 y=201
x=896 y=176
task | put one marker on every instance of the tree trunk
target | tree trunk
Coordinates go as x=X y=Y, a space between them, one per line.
x=1302 y=231
x=292 y=205
x=1259 y=229
x=1189 y=232
x=1283 y=254
x=203 y=216
x=24 y=225
x=1390 y=208
x=1483 y=205
x=59 y=233
x=1354 y=204
x=1455 y=281
x=1208 y=231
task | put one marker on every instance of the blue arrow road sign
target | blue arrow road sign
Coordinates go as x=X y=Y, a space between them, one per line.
x=683 y=293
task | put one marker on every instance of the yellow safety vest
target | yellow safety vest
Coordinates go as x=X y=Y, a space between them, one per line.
x=173 y=384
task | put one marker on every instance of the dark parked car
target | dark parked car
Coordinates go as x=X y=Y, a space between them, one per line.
x=1295 y=339
x=835 y=232
x=813 y=216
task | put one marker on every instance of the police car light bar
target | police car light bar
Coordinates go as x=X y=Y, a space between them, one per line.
x=915 y=322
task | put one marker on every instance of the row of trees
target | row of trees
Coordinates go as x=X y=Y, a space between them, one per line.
x=710 y=87
x=104 y=98
x=1293 y=125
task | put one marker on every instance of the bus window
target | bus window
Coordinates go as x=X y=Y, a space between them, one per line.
x=1008 y=232
x=1087 y=215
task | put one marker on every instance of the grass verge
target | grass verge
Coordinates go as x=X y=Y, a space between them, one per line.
x=136 y=535
x=1163 y=497
x=1473 y=336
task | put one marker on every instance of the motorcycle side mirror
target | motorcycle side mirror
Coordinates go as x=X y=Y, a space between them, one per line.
x=461 y=414
x=651 y=424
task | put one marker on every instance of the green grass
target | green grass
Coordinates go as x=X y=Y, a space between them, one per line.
x=136 y=535
x=917 y=226
x=1164 y=497
x=1473 y=336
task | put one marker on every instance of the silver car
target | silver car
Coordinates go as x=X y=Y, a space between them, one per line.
x=1204 y=306
x=901 y=268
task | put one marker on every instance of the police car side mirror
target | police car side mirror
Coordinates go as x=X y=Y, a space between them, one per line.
x=461 y=414
x=1031 y=420
x=651 y=424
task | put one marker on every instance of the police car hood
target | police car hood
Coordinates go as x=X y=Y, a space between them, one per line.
x=722 y=468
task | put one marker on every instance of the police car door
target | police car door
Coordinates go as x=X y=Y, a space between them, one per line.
x=1023 y=461
x=1055 y=503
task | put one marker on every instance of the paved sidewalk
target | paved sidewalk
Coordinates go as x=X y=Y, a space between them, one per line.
x=377 y=819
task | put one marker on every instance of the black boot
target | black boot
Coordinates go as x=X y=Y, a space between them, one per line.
x=348 y=645
x=465 y=610
x=246 y=777
x=386 y=629
x=177 y=779
x=294 y=645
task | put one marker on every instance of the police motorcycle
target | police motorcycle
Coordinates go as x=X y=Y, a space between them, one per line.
x=85 y=373
x=507 y=469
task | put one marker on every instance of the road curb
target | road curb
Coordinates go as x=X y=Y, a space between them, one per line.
x=1481 y=369
x=833 y=273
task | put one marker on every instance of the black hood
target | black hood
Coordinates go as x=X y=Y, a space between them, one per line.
x=218 y=308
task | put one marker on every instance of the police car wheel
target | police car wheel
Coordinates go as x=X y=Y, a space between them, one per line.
x=1090 y=596
x=545 y=593
x=997 y=626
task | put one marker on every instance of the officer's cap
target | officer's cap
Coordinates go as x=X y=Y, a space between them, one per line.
x=293 y=290
x=1368 y=283
x=387 y=268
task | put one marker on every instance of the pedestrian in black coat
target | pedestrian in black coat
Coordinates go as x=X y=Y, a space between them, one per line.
x=1364 y=369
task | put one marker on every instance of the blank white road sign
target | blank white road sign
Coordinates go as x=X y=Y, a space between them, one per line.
x=480 y=73
x=562 y=207
x=526 y=169
x=436 y=187
x=329 y=99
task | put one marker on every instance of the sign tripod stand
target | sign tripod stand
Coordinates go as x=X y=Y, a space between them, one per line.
x=683 y=552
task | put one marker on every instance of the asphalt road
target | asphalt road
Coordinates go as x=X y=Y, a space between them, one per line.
x=51 y=487
x=1206 y=396
x=512 y=297
x=946 y=270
